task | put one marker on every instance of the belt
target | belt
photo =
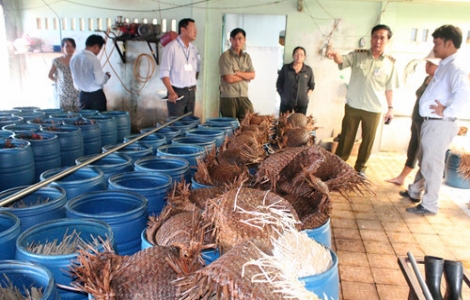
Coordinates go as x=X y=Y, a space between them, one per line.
x=91 y=92
x=188 y=88
x=449 y=119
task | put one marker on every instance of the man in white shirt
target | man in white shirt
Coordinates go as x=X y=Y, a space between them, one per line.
x=446 y=99
x=179 y=69
x=88 y=76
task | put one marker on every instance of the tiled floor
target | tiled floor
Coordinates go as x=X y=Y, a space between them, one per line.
x=369 y=233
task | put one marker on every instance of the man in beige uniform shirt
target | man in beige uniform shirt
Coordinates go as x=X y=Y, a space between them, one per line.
x=373 y=78
x=236 y=71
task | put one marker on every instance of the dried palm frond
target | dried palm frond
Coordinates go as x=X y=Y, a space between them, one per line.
x=70 y=243
x=9 y=291
x=110 y=276
x=223 y=279
x=244 y=213
x=464 y=167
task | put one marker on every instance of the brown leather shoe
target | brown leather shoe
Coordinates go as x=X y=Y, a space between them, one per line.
x=405 y=194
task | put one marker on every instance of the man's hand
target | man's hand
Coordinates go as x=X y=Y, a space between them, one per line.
x=335 y=56
x=388 y=117
x=172 y=96
x=437 y=109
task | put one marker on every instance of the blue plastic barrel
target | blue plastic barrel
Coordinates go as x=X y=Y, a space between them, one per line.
x=182 y=126
x=110 y=165
x=66 y=116
x=210 y=255
x=135 y=150
x=21 y=127
x=225 y=127
x=177 y=168
x=168 y=132
x=189 y=119
x=452 y=176
x=326 y=283
x=27 y=108
x=59 y=264
x=16 y=163
x=24 y=276
x=217 y=134
x=70 y=141
x=81 y=181
x=155 y=140
x=10 y=228
x=5 y=134
x=29 y=115
x=207 y=142
x=123 y=122
x=108 y=129
x=124 y=212
x=189 y=152
x=45 y=122
x=153 y=186
x=144 y=242
x=51 y=111
x=224 y=120
x=88 y=112
x=91 y=134
x=196 y=185
x=46 y=150
x=7 y=120
x=44 y=204
x=8 y=112
x=321 y=234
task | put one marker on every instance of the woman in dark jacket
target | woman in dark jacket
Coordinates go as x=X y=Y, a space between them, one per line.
x=295 y=83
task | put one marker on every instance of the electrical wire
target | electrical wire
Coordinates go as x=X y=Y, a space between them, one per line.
x=137 y=63
x=137 y=10
x=58 y=18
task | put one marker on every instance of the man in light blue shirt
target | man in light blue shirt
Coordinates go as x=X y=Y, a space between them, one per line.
x=179 y=69
x=446 y=99
x=88 y=76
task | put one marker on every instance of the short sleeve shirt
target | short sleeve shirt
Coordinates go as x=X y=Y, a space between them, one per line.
x=229 y=62
x=370 y=78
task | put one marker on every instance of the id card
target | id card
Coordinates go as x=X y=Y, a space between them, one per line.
x=188 y=67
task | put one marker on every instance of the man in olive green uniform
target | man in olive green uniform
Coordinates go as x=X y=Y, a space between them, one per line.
x=373 y=78
x=236 y=71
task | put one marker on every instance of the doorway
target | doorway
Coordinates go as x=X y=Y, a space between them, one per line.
x=264 y=34
x=4 y=64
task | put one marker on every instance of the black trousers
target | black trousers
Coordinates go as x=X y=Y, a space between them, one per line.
x=185 y=105
x=92 y=100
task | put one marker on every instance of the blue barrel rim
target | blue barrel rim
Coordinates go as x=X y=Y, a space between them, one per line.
x=12 y=191
x=25 y=126
x=62 y=128
x=140 y=174
x=158 y=136
x=166 y=159
x=200 y=184
x=25 y=108
x=322 y=275
x=23 y=144
x=146 y=147
x=17 y=266
x=206 y=139
x=133 y=195
x=60 y=169
x=47 y=136
x=127 y=159
x=200 y=150
x=15 y=226
x=41 y=227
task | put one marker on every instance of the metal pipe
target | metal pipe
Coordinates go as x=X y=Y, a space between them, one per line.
x=423 y=285
x=38 y=185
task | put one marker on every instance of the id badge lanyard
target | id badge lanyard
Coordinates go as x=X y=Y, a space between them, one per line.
x=187 y=66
